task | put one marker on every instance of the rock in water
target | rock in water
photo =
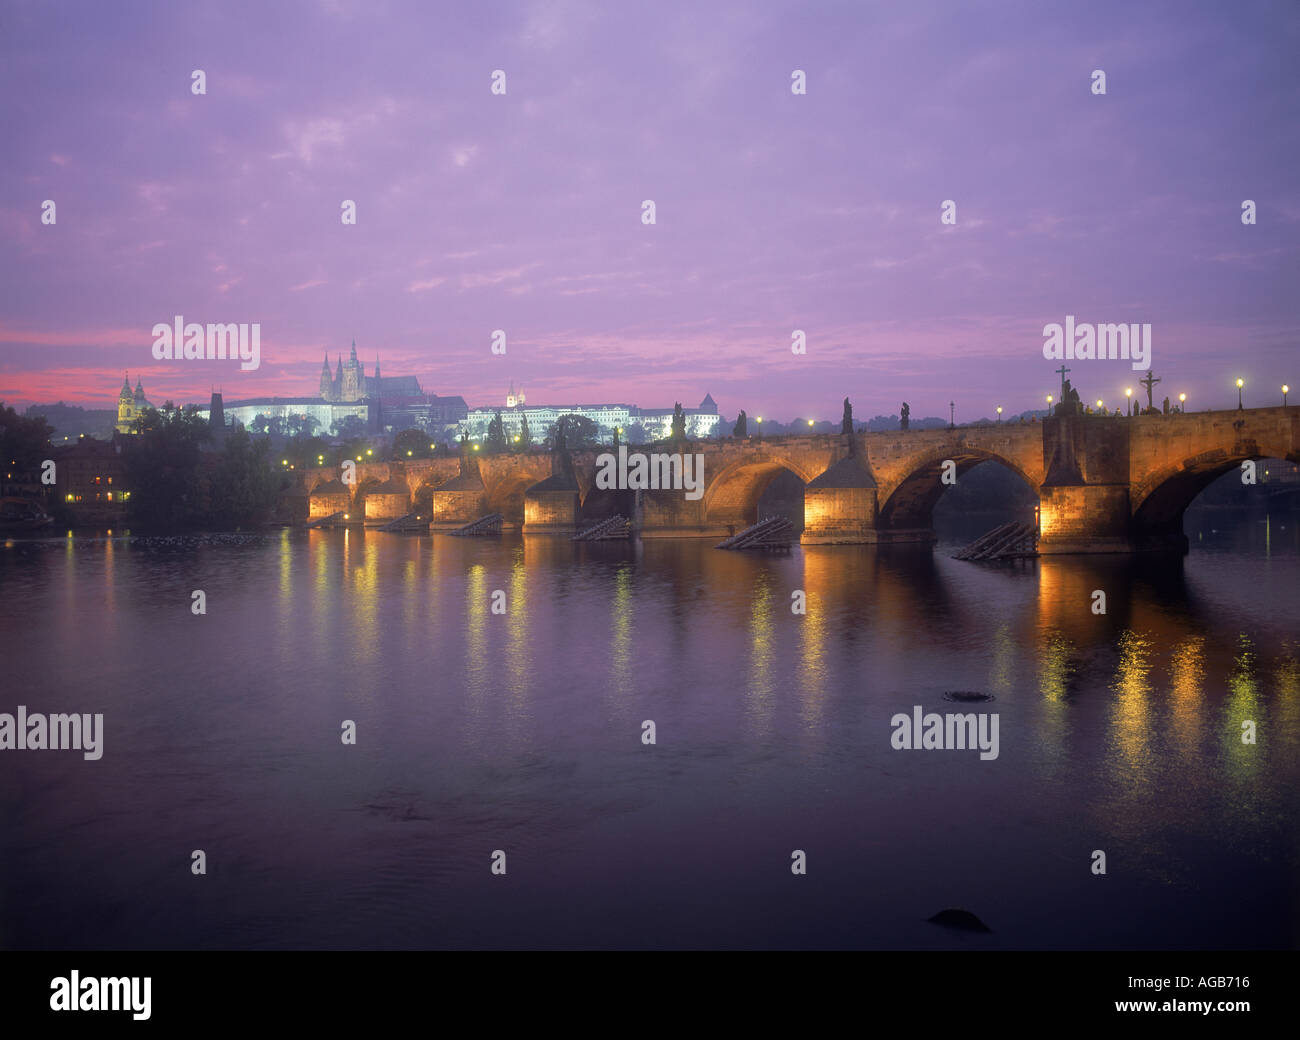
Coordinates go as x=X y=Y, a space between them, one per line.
x=963 y=920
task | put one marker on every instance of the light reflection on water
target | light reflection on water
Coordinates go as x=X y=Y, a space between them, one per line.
x=521 y=730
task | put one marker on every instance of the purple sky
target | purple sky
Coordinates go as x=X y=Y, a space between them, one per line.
x=775 y=212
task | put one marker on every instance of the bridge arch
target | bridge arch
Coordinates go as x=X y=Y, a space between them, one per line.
x=909 y=505
x=505 y=495
x=732 y=496
x=1161 y=499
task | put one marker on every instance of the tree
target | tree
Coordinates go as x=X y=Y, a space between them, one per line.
x=679 y=422
x=301 y=425
x=242 y=485
x=309 y=451
x=355 y=448
x=496 y=434
x=350 y=426
x=162 y=465
x=741 y=430
x=525 y=435
x=412 y=443
x=575 y=432
x=24 y=441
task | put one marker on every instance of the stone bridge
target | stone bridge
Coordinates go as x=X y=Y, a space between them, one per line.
x=1105 y=484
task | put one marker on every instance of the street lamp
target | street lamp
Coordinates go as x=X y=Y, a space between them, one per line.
x=1049 y=406
x=1240 y=384
x=952 y=414
x=1128 y=392
x=1285 y=390
x=810 y=422
x=999 y=413
x=1182 y=402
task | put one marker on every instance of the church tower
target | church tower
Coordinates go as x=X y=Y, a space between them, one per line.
x=326 y=384
x=126 y=411
x=353 y=378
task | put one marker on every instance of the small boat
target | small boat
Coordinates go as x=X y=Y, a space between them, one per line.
x=22 y=514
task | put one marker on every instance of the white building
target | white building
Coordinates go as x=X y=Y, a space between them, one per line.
x=654 y=423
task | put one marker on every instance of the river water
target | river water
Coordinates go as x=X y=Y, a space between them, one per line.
x=522 y=732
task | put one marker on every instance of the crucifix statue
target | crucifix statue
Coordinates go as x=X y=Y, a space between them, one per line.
x=1149 y=382
x=1062 y=371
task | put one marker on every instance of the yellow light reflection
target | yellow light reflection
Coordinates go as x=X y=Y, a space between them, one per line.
x=1131 y=712
x=1186 y=677
x=1243 y=704
x=759 y=685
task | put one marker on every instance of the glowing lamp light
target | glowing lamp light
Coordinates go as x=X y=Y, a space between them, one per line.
x=1240 y=383
x=408 y=454
x=810 y=422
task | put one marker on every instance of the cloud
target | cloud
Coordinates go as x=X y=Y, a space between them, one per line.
x=305 y=139
x=479 y=281
x=428 y=283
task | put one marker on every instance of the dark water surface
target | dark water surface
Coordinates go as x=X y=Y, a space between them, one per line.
x=522 y=732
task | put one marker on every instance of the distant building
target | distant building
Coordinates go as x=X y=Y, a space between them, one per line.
x=650 y=423
x=89 y=479
x=382 y=403
x=130 y=403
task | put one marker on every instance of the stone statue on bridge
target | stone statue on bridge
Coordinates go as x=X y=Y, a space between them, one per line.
x=1069 y=403
x=846 y=424
x=904 y=416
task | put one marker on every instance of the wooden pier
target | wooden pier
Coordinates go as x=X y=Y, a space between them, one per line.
x=484 y=525
x=1011 y=541
x=411 y=522
x=774 y=534
x=616 y=528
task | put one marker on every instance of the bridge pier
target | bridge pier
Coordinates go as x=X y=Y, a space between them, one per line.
x=551 y=510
